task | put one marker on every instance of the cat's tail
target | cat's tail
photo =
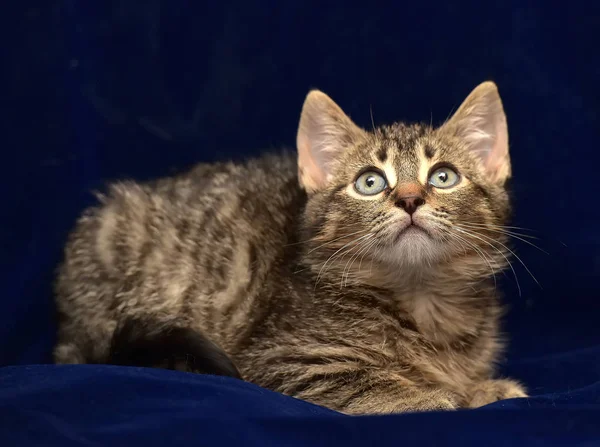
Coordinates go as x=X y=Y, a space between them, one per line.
x=144 y=343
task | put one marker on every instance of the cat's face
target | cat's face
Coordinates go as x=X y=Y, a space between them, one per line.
x=404 y=195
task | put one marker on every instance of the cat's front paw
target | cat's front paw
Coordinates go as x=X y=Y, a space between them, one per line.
x=490 y=391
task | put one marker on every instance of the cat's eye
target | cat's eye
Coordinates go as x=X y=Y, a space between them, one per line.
x=444 y=178
x=370 y=183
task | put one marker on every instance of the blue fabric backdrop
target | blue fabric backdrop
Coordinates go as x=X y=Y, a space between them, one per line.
x=100 y=90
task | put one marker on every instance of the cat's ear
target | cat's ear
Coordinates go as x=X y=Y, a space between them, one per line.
x=325 y=131
x=480 y=122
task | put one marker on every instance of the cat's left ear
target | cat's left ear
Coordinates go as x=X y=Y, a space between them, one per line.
x=480 y=123
x=325 y=131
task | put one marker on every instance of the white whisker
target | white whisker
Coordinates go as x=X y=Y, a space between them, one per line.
x=507 y=233
x=354 y=241
x=337 y=239
x=481 y=254
x=515 y=255
x=364 y=243
x=468 y=233
x=365 y=249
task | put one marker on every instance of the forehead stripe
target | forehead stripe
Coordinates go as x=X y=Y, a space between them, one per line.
x=429 y=151
x=382 y=154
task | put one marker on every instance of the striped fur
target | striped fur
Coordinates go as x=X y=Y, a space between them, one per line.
x=280 y=281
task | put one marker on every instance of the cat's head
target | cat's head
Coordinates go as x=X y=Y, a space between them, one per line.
x=404 y=195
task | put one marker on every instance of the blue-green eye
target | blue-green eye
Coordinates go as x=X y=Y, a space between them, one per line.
x=370 y=183
x=444 y=178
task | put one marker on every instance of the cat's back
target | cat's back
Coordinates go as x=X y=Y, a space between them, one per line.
x=179 y=247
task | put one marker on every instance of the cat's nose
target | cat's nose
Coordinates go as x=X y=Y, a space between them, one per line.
x=410 y=203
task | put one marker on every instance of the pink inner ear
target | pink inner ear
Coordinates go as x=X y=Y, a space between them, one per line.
x=481 y=124
x=324 y=132
x=310 y=173
x=497 y=163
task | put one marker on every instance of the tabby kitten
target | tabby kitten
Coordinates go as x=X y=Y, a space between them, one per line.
x=358 y=275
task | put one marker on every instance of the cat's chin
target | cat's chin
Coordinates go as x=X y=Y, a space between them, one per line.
x=414 y=245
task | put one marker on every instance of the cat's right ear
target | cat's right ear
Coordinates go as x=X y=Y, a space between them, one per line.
x=324 y=132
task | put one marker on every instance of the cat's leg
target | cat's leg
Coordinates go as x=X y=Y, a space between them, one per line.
x=413 y=399
x=78 y=344
x=354 y=390
x=489 y=391
x=68 y=353
x=68 y=349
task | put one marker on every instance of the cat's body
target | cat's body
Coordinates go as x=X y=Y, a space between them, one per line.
x=285 y=279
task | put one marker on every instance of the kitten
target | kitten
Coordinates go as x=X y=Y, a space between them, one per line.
x=358 y=274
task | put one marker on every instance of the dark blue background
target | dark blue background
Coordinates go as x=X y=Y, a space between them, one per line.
x=101 y=90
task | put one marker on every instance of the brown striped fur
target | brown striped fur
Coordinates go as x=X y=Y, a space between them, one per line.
x=312 y=290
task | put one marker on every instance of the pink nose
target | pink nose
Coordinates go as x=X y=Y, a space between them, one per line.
x=410 y=203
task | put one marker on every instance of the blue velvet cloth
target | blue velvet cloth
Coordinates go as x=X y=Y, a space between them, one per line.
x=100 y=90
x=102 y=405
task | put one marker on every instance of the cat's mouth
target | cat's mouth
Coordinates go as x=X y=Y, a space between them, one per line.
x=410 y=230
